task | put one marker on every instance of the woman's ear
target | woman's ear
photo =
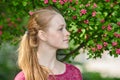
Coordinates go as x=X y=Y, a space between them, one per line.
x=42 y=35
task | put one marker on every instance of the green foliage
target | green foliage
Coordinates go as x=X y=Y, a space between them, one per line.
x=8 y=63
x=95 y=76
x=94 y=25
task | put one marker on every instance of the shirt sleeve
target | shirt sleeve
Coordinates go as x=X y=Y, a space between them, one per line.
x=20 y=76
x=78 y=74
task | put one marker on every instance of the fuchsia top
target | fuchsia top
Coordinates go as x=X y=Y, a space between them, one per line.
x=71 y=73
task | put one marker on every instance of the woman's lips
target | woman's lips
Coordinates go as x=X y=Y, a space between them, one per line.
x=66 y=40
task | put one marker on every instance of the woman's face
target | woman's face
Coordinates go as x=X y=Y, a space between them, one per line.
x=57 y=35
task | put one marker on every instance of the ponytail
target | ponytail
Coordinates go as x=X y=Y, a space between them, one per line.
x=28 y=61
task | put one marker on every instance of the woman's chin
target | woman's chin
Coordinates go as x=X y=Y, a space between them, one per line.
x=65 y=47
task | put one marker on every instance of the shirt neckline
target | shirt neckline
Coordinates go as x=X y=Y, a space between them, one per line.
x=61 y=73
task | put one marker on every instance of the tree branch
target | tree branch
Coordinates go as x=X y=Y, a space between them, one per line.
x=69 y=54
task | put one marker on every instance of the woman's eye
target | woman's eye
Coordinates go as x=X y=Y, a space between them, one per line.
x=61 y=29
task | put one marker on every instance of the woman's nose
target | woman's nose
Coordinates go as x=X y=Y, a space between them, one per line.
x=67 y=33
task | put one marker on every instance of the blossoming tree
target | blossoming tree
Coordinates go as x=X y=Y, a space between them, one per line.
x=94 y=24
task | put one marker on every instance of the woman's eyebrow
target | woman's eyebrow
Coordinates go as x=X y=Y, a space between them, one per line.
x=62 y=25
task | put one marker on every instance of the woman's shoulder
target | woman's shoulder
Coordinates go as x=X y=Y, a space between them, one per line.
x=20 y=76
x=73 y=70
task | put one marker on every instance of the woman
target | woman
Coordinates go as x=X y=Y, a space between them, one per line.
x=46 y=33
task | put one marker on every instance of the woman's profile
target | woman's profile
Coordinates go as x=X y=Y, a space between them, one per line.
x=46 y=33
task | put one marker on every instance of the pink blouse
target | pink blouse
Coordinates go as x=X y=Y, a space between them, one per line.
x=71 y=73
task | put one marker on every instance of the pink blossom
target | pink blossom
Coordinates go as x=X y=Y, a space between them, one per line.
x=65 y=1
x=115 y=2
x=31 y=13
x=94 y=5
x=45 y=1
x=8 y=19
x=99 y=46
x=93 y=13
x=93 y=49
x=86 y=21
x=15 y=25
x=83 y=11
x=74 y=17
x=114 y=43
x=1 y=27
x=80 y=14
x=0 y=33
x=104 y=35
x=72 y=8
x=70 y=0
x=107 y=0
x=76 y=2
x=18 y=19
x=102 y=21
x=87 y=5
x=118 y=23
x=115 y=34
x=103 y=27
x=79 y=30
x=109 y=28
x=10 y=24
x=54 y=0
x=105 y=44
x=61 y=2
x=118 y=51
x=118 y=35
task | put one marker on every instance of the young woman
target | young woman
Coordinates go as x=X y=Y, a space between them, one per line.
x=46 y=33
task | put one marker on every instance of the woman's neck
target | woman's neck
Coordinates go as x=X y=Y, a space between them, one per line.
x=47 y=56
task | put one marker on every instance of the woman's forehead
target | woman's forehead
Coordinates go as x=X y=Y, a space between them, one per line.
x=57 y=20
